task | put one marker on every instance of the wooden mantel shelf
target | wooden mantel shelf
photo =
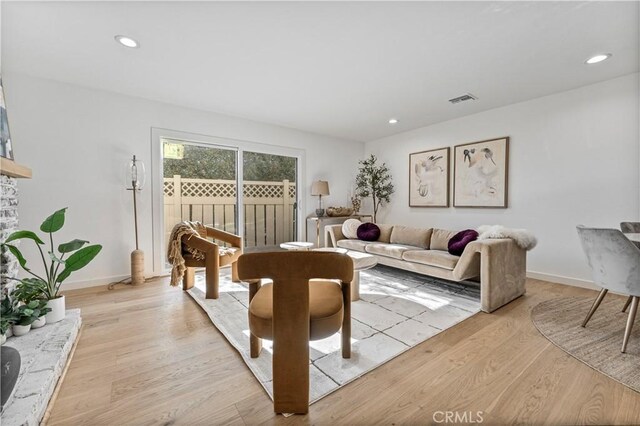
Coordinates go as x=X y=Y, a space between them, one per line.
x=13 y=169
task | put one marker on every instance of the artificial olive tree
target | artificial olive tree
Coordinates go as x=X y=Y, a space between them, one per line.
x=374 y=181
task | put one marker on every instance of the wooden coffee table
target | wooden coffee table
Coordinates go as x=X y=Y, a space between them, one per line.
x=361 y=262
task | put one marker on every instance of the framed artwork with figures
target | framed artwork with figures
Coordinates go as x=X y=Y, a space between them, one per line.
x=481 y=173
x=429 y=178
x=6 y=150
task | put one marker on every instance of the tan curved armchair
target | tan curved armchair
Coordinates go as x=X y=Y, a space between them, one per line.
x=294 y=310
x=214 y=259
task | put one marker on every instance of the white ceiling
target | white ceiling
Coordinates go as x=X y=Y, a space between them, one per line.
x=340 y=69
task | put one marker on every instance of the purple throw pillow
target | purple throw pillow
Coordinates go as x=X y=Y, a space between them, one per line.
x=458 y=242
x=368 y=232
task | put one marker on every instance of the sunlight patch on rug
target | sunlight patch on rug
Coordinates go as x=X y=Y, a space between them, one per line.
x=397 y=310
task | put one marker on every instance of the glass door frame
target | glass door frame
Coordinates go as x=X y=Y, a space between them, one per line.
x=157 y=182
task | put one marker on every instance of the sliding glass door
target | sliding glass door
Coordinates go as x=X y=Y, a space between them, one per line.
x=269 y=199
x=200 y=182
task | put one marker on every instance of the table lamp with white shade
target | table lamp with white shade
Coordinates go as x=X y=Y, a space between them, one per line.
x=135 y=179
x=320 y=188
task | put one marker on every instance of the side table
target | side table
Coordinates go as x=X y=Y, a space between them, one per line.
x=315 y=225
x=296 y=246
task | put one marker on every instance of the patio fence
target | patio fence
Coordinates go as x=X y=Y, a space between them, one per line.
x=269 y=207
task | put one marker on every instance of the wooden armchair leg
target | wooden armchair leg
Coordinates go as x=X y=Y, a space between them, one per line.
x=291 y=379
x=189 y=279
x=234 y=272
x=213 y=283
x=346 y=321
x=256 y=345
x=213 y=274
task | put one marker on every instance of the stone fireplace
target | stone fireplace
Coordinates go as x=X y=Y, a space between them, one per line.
x=44 y=352
x=8 y=224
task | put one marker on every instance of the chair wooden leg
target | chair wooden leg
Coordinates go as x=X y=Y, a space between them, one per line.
x=189 y=279
x=595 y=305
x=346 y=321
x=213 y=276
x=256 y=345
x=213 y=282
x=627 y=303
x=290 y=379
x=630 y=320
x=234 y=272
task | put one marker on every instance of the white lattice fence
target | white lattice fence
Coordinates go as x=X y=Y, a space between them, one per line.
x=225 y=188
x=268 y=207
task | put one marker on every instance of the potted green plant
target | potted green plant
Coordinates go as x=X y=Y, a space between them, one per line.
x=56 y=268
x=25 y=315
x=374 y=180
x=7 y=318
x=30 y=289
x=4 y=327
x=44 y=310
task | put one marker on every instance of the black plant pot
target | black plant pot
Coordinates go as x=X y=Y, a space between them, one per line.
x=9 y=369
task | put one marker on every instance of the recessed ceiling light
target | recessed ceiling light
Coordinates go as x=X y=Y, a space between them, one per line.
x=127 y=41
x=393 y=121
x=598 y=58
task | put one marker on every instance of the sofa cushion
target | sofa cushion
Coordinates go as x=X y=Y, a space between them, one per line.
x=385 y=233
x=440 y=239
x=438 y=258
x=353 y=244
x=417 y=237
x=458 y=242
x=350 y=228
x=389 y=250
x=368 y=231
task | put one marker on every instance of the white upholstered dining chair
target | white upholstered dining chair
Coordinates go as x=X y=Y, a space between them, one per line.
x=615 y=265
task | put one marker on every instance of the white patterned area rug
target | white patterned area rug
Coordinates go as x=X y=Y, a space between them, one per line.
x=397 y=311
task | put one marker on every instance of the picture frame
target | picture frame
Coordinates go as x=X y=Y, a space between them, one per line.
x=481 y=173
x=6 y=148
x=429 y=178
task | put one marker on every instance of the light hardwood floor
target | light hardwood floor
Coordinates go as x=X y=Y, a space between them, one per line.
x=149 y=355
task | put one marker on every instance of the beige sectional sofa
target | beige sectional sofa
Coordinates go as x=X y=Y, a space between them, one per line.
x=499 y=265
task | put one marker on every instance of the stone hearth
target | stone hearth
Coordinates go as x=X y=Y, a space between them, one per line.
x=44 y=354
x=45 y=351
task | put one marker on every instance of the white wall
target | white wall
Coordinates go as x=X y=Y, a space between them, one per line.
x=78 y=142
x=574 y=159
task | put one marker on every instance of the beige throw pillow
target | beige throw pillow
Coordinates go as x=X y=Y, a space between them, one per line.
x=418 y=237
x=350 y=228
x=385 y=232
x=440 y=239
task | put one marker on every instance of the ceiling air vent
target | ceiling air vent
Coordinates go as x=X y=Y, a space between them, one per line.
x=463 y=98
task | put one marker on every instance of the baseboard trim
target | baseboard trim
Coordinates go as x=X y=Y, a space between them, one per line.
x=559 y=279
x=76 y=285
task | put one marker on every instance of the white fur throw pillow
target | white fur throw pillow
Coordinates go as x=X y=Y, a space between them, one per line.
x=523 y=238
x=350 y=228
